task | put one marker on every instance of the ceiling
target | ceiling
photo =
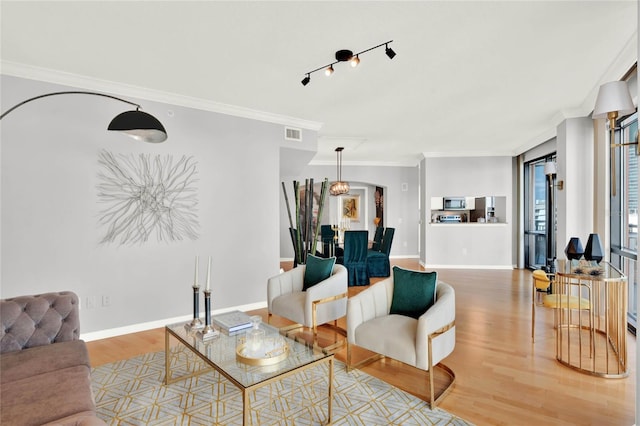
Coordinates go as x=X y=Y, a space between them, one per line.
x=469 y=78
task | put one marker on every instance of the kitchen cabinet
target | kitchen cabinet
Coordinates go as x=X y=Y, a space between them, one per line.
x=437 y=203
x=470 y=203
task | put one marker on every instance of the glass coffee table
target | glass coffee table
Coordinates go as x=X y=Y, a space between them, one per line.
x=220 y=353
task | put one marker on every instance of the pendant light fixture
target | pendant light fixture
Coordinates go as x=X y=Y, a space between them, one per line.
x=339 y=187
x=137 y=124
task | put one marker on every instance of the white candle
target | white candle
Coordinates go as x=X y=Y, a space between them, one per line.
x=209 y=275
x=195 y=277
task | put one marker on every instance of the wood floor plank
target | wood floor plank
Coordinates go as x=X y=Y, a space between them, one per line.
x=502 y=378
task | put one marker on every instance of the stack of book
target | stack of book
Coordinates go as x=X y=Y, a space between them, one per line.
x=233 y=321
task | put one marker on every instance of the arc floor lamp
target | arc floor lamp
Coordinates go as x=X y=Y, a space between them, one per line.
x=135 y=123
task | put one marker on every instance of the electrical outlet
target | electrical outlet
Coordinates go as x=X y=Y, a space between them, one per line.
x=91 y=302
x=106 y=301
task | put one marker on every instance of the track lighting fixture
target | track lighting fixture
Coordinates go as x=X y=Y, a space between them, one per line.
x=346 y=55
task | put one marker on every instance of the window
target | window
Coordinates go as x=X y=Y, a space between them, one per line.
x=624 y=210
x=535 y=196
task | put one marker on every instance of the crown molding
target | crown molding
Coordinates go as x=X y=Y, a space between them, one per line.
x=435 y=154
x=88 y=83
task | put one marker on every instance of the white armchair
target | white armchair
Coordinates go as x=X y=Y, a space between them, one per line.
x=422 y=342
x=320 y=304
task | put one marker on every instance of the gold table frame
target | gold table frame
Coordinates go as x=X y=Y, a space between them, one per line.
x=227 y=347
x=602 y=352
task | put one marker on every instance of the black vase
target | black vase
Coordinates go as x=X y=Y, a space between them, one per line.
x=574 y=250
x=594 y=251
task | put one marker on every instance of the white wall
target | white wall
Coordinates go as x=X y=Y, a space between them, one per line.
x=469 y=245
x=575 y=160
x=50 y=210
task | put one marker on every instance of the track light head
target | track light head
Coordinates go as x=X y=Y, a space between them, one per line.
x=355 y=61
x=389 y=51
x=328 y=71
x=306 y=80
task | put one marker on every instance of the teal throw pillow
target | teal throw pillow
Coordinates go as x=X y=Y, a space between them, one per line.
x=317 y=269
x=413 y=292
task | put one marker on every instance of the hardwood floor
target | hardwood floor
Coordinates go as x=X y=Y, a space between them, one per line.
x=502 y=378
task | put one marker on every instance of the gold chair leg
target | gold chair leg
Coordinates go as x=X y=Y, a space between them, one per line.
x=449 y=372
x=289 y=328
x=533 y=316
x=334 y=327
x=431 y=372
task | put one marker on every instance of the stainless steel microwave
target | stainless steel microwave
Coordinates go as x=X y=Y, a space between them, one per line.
x=454 y=203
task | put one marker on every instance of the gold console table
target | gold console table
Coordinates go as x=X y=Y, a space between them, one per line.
x=592 y=337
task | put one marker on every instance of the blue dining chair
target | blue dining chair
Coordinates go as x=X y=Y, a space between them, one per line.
x=377 y=239
x=378 y=264
x=355 y=257
x=328 y=247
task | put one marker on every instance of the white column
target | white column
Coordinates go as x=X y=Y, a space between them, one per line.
x=575 y=203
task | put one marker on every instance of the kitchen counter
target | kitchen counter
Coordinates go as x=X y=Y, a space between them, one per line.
x=468 y=245
x=467 y=224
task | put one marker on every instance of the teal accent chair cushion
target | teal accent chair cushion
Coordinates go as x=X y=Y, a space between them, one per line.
x=413 y=292
x=317 y=270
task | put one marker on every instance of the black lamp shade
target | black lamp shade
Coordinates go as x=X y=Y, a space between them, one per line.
x=139 y=125
x=594 y=251
x=574 y=250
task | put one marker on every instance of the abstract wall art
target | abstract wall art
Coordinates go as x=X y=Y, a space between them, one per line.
x=147 y=197
x=351 y=207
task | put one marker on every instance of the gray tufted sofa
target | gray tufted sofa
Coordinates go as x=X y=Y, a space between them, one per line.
x=44 y=367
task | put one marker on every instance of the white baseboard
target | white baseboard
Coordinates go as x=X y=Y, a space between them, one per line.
x=135 y=328
x=503 y=267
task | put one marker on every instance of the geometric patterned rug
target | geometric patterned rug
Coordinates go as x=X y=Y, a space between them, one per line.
x=132 y=392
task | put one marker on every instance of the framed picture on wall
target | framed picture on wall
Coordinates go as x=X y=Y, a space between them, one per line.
x=350 y=207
